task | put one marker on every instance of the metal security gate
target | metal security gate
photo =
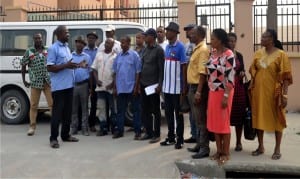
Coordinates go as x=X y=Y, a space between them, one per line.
x=150 y=14
x=288 y=23
x=214 y=14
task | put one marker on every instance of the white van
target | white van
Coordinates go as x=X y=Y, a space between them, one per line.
x=16 y=37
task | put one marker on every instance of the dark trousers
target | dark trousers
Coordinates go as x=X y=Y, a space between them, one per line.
x=122 y=103
x=172 y=104
x=199 y=113
x=61 y=112
x=92 y=116
x=150 y=108
x=106 y=101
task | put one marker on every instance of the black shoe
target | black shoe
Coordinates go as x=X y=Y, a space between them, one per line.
x=194 y=149
x=101 y=133
x=178 y=145
x=190 y=140
x=70 y=139
x=168 y=142
x=54 y=144
x=146 y=137
x=117 y=135
x=200 y=155
x=93 y=129
x=154 y=140
x=137 y=136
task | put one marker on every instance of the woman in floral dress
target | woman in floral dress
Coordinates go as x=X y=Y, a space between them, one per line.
x=220 y=70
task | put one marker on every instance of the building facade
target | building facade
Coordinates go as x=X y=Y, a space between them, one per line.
x=16 y=10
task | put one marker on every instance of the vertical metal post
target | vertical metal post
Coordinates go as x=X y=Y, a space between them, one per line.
x=272 y=14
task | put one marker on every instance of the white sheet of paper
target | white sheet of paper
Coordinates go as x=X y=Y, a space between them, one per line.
x=150 y=89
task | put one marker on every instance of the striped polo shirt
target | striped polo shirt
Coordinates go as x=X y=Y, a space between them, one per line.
x=174 y=57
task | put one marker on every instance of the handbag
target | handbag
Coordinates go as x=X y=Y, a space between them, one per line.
x=184 y=104
x=249 y=131
x=247 y=85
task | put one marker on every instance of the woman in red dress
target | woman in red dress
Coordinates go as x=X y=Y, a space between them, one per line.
x=220 y=70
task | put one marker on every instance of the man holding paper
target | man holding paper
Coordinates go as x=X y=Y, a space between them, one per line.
x=151 y=78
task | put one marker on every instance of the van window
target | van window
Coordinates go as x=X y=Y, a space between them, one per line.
x=15 y=42
x=76 y=32
x=131 y=32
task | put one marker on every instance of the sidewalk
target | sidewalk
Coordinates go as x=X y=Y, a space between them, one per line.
x=243 y=161
x=103 y=157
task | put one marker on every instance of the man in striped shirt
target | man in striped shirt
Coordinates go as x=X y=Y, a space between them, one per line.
x=174 y=85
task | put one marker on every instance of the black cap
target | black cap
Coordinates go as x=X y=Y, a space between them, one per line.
x=92 y=33
x=189 y=27
x=151 y=32
x=80 y=39
x=173 y=26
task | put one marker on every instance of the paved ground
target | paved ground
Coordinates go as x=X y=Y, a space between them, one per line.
x=102 y=157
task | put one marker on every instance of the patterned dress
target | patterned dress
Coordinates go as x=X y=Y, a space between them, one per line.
x=239 y=97
x=220 y=70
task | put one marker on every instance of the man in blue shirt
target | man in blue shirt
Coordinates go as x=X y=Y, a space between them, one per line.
x=174 y=85
x=126 y=68
x=91 y=49
x=81 y=88
x=60 y=66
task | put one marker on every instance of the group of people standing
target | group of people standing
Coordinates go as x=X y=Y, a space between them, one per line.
x=115 y=75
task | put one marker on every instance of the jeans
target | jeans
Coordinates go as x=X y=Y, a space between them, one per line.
x=150 y=108
x=34 y=102
x=199 y=113
x=172 y=104
x=103 y=98
x=61 y=112
x=122 y=103
x=80 y=98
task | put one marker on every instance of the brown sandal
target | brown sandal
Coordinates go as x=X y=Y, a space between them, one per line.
x=216 y=156
x=223 y=159
x=257 y=152
x=276 y=156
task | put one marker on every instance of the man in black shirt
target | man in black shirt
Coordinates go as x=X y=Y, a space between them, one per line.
x=151 y=74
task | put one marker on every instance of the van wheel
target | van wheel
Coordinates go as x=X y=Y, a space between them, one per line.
x=14 y=107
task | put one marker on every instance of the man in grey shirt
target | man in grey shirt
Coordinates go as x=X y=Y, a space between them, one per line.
x=152 y=73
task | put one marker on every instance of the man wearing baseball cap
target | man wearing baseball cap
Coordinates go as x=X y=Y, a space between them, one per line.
x=81 y=88
x=151 y=74
x=110 y=33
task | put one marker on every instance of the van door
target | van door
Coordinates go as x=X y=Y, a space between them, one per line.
x=14 y=103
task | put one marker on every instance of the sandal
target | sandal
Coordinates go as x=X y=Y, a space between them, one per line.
x=276 y=156
x=257 y=152
x=223 y=159
x=238 y=148
x=216 y=156
x=71 y=139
